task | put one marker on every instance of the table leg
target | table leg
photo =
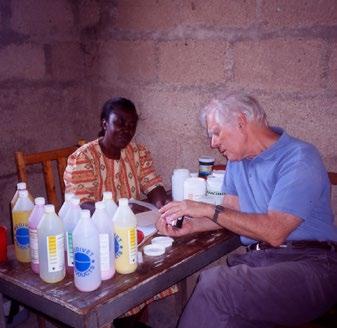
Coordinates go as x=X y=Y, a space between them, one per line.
x=2 y=312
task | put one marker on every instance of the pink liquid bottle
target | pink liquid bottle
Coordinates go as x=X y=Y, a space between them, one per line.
x=33 y=221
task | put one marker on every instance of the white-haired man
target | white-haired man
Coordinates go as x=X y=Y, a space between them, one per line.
x=278 y=201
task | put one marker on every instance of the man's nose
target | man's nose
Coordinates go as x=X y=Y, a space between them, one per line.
x=214 y=143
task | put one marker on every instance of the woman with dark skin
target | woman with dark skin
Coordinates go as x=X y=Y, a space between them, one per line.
x=89 y=170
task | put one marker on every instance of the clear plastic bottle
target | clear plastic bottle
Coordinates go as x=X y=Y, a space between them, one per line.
x=125 y=238
x=66 y=205
x=110 y=205
x=105 y=229
x=50 y=233
x=20 y=186
x=87 y=273
x=20 y=214
x=70 y=220
x=33 y=221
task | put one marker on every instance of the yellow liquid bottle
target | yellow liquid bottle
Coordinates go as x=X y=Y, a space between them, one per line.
x=20 y=186
x=125 y=238
x=20 y=215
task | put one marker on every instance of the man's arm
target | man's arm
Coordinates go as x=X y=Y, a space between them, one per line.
x=272 y=227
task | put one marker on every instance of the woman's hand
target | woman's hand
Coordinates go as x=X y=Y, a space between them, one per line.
x=175 y=210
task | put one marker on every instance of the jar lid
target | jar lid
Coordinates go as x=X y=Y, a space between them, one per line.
x=206 y=159
x=163 y=241
x=154 y=250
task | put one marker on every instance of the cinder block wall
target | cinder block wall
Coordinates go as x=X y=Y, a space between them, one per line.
x=60 y=60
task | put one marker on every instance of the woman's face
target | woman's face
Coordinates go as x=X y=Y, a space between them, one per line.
x=120 y=128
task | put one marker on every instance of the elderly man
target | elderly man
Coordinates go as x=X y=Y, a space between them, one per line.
x=278 y=201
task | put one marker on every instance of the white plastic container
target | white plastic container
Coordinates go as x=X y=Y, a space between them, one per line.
x=20 y=215
x=70 y=220
x=105 y=230
x=110 y=205
x=125 y=238
x=87 y=273
x=178 y=178
x=66 y=205
x=214 y=187
x=194 y=188
x=33 y=222
x=50 y=233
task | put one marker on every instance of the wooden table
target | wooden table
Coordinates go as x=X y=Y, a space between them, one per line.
x=63 y=302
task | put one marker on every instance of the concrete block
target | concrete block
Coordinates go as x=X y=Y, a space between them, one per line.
x=89 y=12
x=126 y=60
x=192 y=62
x=280 y=64
x=25 y=61
x=67 y=61
x=219 y=13
x=42 y=17
x=285 y=13
x=147 y=14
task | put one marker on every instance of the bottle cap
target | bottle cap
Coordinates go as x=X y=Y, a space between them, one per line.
x=154 y=250
x=21 y=186
x=100 y=205
x=68 y=196
x=107 y=195
x=49 y=208
x=75 y=201
x=162 y=241
x=85 y=214
x=123 y=202
x=39 y=201
x=184 y=172
x=206 y=159
x=23 y=193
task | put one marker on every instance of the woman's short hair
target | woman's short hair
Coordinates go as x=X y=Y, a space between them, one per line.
x=226 y=109
x=114 y=104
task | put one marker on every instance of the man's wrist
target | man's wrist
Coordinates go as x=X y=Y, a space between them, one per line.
x=217 y=210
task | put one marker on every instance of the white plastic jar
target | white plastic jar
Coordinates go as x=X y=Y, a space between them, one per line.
x=214 y=187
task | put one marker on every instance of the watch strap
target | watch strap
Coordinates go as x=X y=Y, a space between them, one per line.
x=218 y=209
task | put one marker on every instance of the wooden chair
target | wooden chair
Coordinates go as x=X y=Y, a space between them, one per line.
x=46 y=159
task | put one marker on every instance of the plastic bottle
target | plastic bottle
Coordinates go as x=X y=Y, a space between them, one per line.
x=105 y=229
x=50 y=233
x=20 y=186
x=194 y=188
x=33 y=221
x=110 y=205
x=70 y=220
x=178 y=178
x=66 y=205
x=125 y=238
x=87 y=274
x=20 y=214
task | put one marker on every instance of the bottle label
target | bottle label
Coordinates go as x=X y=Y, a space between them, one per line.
x=104 y=251
x=55 y=253
x=21 y=231
x=132 y=243
x=84 y=261
x=69 y=245
x=205 y=169
x=34 y=249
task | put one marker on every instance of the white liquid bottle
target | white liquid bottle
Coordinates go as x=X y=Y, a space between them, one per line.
x=125 y=238
x=66 y=205
x=70 y=220
x=33 y=222
x=87 y=273
x=50 y=233
x=110 y=205
x=20 y=214
x=105 y=229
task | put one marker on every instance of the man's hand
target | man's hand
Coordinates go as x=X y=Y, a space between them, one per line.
x=175 y=210
x=169 y=230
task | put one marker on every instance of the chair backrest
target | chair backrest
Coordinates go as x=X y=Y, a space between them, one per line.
x=46 y=159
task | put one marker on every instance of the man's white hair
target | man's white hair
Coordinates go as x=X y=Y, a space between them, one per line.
x=226 y=109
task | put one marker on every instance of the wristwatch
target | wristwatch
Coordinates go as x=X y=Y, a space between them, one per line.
x=217 y=210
